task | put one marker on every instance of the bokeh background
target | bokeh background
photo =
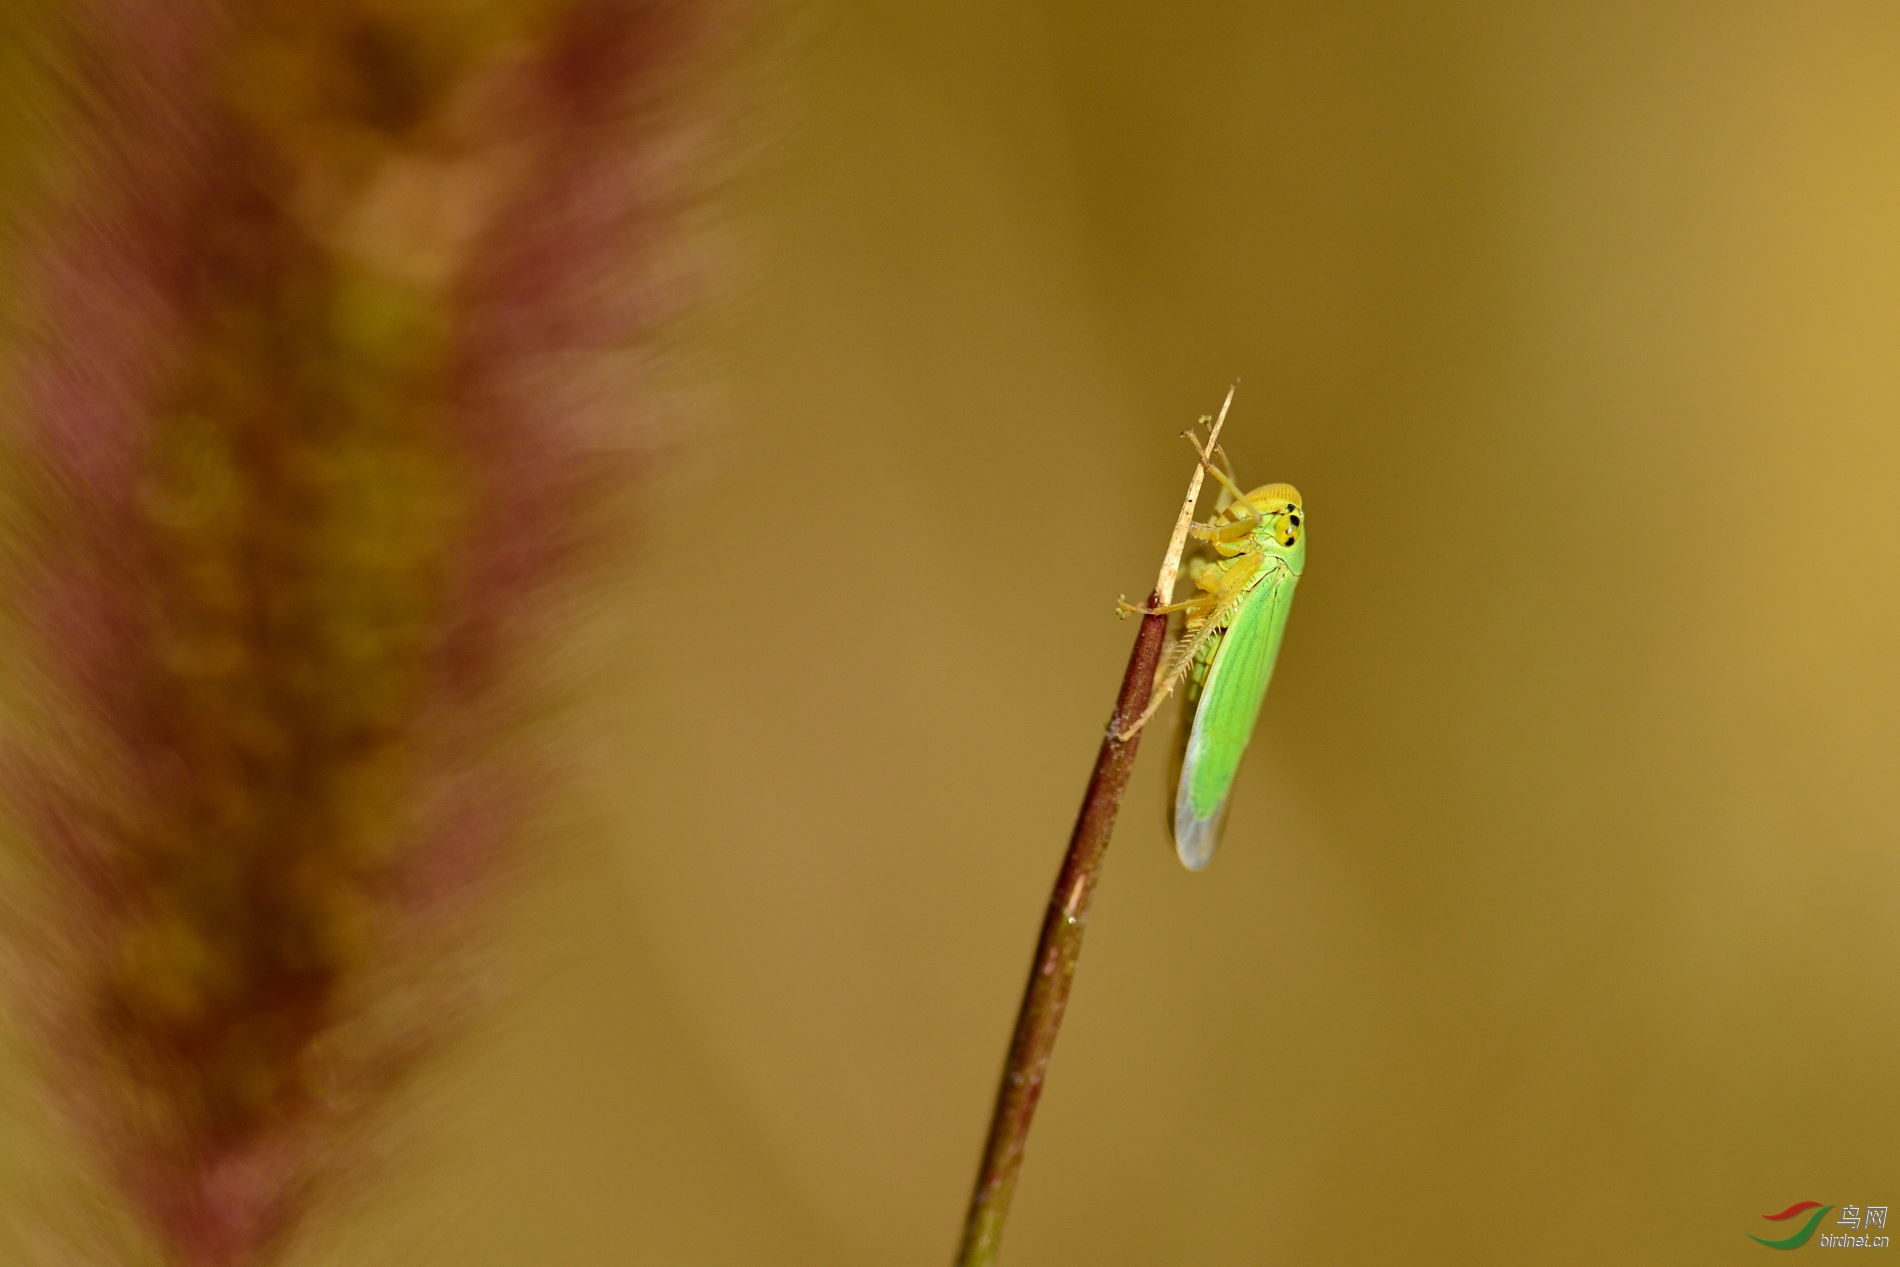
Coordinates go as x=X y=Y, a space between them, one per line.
x=1556 y=917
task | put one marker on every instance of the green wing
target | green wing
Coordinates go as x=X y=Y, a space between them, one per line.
x=1230 y=701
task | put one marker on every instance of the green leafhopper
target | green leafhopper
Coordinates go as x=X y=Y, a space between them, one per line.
x=1230 y=638
x=1230 y=641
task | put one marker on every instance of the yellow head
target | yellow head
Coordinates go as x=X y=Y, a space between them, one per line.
x=1282 y=513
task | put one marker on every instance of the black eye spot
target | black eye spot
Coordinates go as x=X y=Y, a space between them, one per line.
x=1294 y=520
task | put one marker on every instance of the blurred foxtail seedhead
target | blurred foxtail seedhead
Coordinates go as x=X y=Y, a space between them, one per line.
x=335 y=326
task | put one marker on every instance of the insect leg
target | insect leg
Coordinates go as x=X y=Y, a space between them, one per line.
x=1238 y=530
x=1180 y=660
x=1226 y=463
x=1125 y=608
x=1214 y=609
x=1233 y=490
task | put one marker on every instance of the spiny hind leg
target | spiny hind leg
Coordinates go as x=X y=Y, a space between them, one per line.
x=1174 y=669
x=1208 y=615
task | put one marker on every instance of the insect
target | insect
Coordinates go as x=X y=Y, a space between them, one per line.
x=1230 y=637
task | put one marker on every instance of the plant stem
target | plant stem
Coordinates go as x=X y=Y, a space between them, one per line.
x=1058 y=950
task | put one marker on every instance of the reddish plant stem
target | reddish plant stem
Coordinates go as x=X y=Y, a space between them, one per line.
x=1053 y=972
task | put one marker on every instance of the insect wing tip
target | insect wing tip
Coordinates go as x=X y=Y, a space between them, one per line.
x=1195 y=838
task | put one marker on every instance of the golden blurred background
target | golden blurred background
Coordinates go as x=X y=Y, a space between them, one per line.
x=1556 y=920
